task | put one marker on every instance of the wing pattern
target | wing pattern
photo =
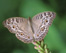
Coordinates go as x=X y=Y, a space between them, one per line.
x=28 y=31
x=20 y=27
x=41 y=23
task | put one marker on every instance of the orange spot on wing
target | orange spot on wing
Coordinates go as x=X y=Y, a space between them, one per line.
x=28 y=37
x=46 y=20
x=21 y=33
x=42 y=29
x=13 y=26
x=37 y=35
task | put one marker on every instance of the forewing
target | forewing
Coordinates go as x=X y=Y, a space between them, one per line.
x=20 y=27
x=41 y=23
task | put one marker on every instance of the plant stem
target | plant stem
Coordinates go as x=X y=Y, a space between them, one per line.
x=41 y=47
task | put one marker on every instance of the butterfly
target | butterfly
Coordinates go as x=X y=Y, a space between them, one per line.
x=29 y=30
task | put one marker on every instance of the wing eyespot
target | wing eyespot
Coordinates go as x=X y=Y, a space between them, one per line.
x=28 y=37
x=42 y=29
x=37 y=35
x=22 y=34
x=14 y=26
x=8 y=22
x=46 y=20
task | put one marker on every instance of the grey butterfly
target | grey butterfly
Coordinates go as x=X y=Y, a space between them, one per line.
x=29 y=30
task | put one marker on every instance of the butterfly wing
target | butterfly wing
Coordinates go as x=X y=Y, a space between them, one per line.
x=19 y=26
x=41 y=23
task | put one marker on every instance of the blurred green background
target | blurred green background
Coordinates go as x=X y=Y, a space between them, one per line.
x=56 y=37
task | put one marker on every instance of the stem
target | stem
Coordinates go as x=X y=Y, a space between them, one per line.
x=41 y=47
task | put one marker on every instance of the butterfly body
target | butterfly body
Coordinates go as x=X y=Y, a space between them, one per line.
x=29 y=30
